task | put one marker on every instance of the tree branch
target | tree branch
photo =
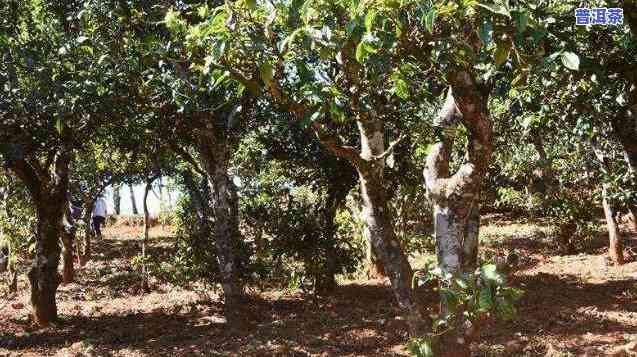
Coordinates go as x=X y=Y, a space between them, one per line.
x=23 y=170
x=472 y=103
x=334 y=145
x=186 y=157
x=390 y=148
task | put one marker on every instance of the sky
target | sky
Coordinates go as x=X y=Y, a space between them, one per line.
x=153 y=200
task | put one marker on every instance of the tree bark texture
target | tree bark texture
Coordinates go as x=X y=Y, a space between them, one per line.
x=48 y=189
x=615 y=240
x=133 y=201
x=68 y=237
x=117 y=198
x=456 y=197
x=379 y=221
x=215 y=152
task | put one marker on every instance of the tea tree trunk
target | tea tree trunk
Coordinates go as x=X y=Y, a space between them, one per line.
x=215 y=151
x=456 y=197
x=615 y=240
x=369 y=162
x=133 y=201
x=379 y=221
x=117 y=198
x=48 y=189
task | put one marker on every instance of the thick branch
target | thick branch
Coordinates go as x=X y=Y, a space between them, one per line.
x=390 y=148
x=472 y=103
x=336 y=147
x=23 y=170
x=436 y=170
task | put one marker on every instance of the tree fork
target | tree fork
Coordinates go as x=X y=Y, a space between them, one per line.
x=456 y=197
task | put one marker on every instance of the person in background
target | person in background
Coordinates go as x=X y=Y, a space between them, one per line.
x=99 y=215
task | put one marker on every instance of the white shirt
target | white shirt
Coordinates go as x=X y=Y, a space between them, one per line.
x=99 y=209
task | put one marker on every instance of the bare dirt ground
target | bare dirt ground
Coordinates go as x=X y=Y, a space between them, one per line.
x=576 y=305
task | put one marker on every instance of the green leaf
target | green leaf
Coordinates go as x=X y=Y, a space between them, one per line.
x=502 y=52
x=203 y=11
x=173 y=21
x=496 y=9
x=461 y=283
x=59 y=125
x=490 y=273
x=420 y=348
x=513 y=294
x=570 y=60
x=267 y=73
x=505 y=309
x=361 y=53
x=336 y=112
x=285 y=44
x=218 y=49
x=486 y=32
x=87 y=49
x=485 y=300
x=538 y=36
x=400 y=88
x=218 y=23
x=369 y=48
x=251 y=4
x=369 y=20
x=429 y=18
x=102 y=59
x=521 y=21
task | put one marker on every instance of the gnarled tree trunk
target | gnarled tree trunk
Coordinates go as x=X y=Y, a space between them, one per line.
x=215 y=152
x=370 y=164
x=545 y=172
x=456 y=197
x=378 y=218
x=43 y=276
x=375 y=267
x=625 y=130
x=48 y=191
